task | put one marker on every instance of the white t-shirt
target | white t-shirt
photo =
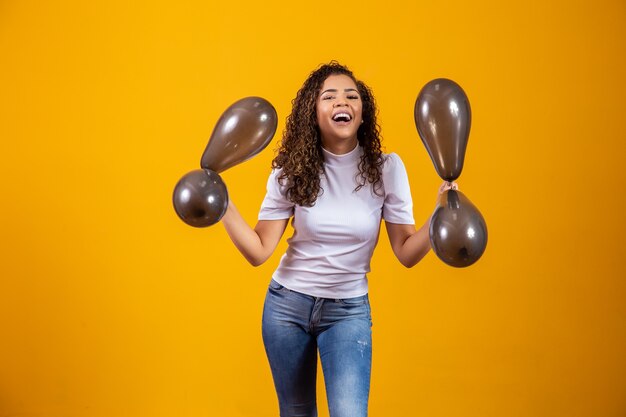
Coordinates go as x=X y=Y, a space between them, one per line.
x=330 y=250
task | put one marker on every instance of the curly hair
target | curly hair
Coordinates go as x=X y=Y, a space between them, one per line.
x=300 y=153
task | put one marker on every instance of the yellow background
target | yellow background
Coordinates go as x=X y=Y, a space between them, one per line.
x=111 y=306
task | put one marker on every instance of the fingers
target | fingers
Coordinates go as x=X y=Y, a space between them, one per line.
x=448 y=186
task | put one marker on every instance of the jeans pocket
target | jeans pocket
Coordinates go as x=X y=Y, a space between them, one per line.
x=276 y=286
x=354 y=301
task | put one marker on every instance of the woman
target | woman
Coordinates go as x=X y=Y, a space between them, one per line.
x=331 y=176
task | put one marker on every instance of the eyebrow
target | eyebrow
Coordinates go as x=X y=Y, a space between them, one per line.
x=334 y=90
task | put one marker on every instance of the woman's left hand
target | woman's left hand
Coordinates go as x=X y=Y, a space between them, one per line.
x=447 y=186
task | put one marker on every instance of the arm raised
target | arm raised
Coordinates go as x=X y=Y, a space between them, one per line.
x=408 y=244
x=257 y=244
x=411 y=245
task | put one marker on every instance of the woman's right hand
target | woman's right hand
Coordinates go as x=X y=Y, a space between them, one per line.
x=446 y=185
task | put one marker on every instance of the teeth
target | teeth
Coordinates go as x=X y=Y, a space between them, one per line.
x=342 y=115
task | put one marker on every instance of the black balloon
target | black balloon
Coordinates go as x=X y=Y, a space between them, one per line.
x=244 y=129
x=200 y=198
x=458 y=233
x=443 y=118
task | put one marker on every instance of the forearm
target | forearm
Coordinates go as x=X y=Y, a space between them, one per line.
x=410 y=245
x=415 y=247
x=245 y=238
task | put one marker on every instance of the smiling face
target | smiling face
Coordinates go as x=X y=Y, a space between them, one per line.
x=339 y=112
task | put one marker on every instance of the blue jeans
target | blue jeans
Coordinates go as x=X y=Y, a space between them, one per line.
x=295 y=326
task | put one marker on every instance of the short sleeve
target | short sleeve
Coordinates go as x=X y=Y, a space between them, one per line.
x=275 y=205
x=398 y=204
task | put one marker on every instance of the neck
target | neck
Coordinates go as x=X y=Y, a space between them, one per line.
x=340 y=148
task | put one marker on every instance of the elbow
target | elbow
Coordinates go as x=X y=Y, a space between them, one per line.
x=405 y=259
x=256 y=260
x=257 y=263
x=257 y=256
x=408 y=263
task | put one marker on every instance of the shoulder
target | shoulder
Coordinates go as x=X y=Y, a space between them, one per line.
x=392 y=163
x=394 y=174
x=275 y=172
x=274 y=179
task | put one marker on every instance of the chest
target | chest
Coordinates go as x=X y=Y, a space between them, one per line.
x=340 y=213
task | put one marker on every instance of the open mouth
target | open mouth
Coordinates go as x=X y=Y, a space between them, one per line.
x=342 y=117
